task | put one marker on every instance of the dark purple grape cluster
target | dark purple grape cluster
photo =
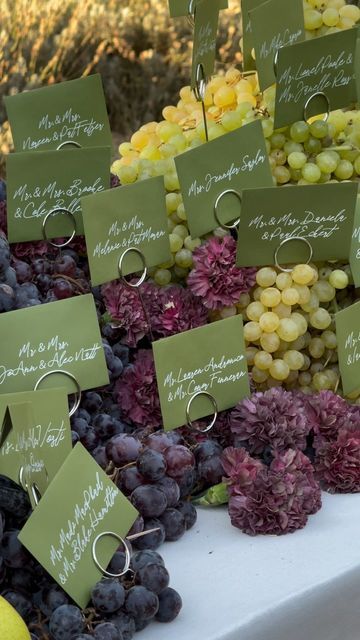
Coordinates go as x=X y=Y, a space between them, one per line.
x=158 y=471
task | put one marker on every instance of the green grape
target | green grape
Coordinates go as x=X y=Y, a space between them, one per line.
x=279 y=156
x=255 y=310
x=294 y=359
x=297 y=160
x=258 y=375
x=270 y=342
x=287 y=330
x=316 y=347
x=250 y=353
x=192 y=243
x=263 y=360
x=319 y=129
x=321 y=381
x=281 y=174
x=293 y=147
x=326 y=162
x=320 y=319
x=311 y=172
x=329 y=339
x=299 y=131
x=176 y=242
x=279 y=370
x=162 y=277
x=344 y=170
x=232 y=120
x=277 y=140
x=252 y=331
x=324 y=290
x=312 y=146
x=330 y=17
x=266 y=277
x=183 y=258
x=339 y=279
x=305 y=379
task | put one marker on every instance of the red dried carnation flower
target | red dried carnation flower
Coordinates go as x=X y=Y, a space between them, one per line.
x=215 y=277
x=275 y=418
x=124 y=307
x=330 y=414
x=136 y=392
x=271 y=500
x=337 y=463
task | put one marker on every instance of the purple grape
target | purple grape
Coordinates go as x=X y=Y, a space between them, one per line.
x=158 y=441
x=129 y=479
x=13 y=552
x=80 y=426
x=154 y=577
x=189 y=512
x=62 y=289
x=123 y=449
x=92 y=402
x=206 y=449
x=8 y=298
x=117 y=562
x=170 y=604
x=52 y=598
x=125 y=624
x=65 y=622
x=141 y=603
x=149 y=500
x=210 y=470
x=151 y=540
x=137 y=527
x=91 y=439
x=104 y=425
x=174 y=523
x=107 y=631
x=20 y=602
x=152 y=465
x=187 y=483
x=99 y=454
x=108 y=595
x=142 y=558
x=65 y=265
x=179 y=461
x=171 y=489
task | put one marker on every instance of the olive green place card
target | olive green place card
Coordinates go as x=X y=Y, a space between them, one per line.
x=319 y=66
x=43 y=443
x=323 y=217
x=132 y=217
x=208 y=359
x=72 y=111
x=274 y=26
x=205 y=34
x=58 y=336
x=247 y=33
x=182 y=7
x=348 y=338
x=38 y=183
x=80 y=504
x=355 y=246
x=235 y=161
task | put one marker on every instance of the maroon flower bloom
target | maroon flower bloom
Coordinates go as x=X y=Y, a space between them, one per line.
x=124 y=307
x=338 y=462
x=271 y=500
x=137 y=394
x=330 y=414
x=275 y=418
x=215 y=277
x=31 y=250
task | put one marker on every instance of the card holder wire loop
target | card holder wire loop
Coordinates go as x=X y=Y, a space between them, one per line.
x=68 y=143
x=191 y=13
x=106 y=573
x=275 y=62
x=199 y=92
x=45 y=221
x=276 y=253
x=216 y=205
x=33 y=490
x=142 y=278
x=204 y=394
x=309 y=100
x=69 y=375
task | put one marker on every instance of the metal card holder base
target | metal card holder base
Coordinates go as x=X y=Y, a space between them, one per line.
x=309 y=100
x=205 y=394
x=124 y=542
x=76 y=404
x=30 y=487
x=285 y=241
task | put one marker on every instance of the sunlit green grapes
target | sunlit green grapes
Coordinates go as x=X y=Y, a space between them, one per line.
x=282 y=310
x=172 y=200
x=298 y=344
x=326 y=162
x=250 y=353
x=290 y=296
x=232 y=120
x=270 y=297
x=181 y=213
x=252 y=331
x=244 y=301
x=330 y=17
x=339 y=279
x=176 y=242
x=320 y=319
x=312 y=19
x=162 y=277
x=319 y=129
x=329 y=339
x=279 y=370
x=312 y=304
x=297 y=159
x=281 y=174
x=259 y=375
x=352 y=12
x=299 y=131
x=312 y=146
x=321 y=381
x=228 y=312
x=266 y=277
x=270 y=342
x=269 y=322
x=293 y=147
x=182 y=231
x=287 y=330
x=184 y=259
x=344 y=170
x=191 y=243
x=257 y=293
x=316 y=347
x=300 y=322
x=303 y=291
x=255 y=310
x=324 y=290
x=263 y=360
x=311 y=172
x=294 y=359
x=283 y=280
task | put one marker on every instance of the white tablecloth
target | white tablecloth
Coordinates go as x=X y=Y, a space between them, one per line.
x=302 y=586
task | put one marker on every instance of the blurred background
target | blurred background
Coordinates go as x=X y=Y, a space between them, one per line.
x=142 y=54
